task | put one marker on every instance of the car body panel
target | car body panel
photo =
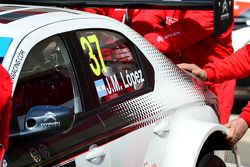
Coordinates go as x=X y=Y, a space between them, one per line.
x=240 y=38
x=183 y=126
x=127 y=131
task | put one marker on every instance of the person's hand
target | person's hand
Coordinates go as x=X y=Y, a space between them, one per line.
x=158 y=41
x=194 y=69
x=237 y=128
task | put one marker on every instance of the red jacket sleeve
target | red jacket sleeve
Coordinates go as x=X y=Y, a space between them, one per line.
x=193 y=27
x=232 y=67
x=246 y=113
x=5 y=106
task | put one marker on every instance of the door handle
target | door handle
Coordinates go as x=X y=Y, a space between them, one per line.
x=95 y=154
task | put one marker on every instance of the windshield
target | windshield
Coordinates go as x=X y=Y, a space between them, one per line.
x=4 y=45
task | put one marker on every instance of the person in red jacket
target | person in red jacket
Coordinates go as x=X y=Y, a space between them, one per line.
x=235 y=66
x=186 y=36
x=116 y=13
x=5 y=107
x=121 y=14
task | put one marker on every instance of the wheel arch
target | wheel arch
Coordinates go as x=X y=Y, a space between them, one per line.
x=215 y=141
x=192 y=131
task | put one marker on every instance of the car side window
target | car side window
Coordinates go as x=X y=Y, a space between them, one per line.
x=111 y=59
x=46 y=78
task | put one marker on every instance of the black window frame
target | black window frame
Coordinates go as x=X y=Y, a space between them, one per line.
x=14 y=126
x=140 y=59
x=80 y=119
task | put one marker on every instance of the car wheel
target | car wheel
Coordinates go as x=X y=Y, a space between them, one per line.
x=211 y=160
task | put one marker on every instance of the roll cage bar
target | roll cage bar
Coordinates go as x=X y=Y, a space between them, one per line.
x=223 y=9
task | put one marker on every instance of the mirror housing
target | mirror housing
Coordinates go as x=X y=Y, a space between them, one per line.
x=47 y=120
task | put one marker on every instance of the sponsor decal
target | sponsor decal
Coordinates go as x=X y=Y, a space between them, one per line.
x=225 y=9
x=161 y=38
x=170 y=20
x=4 y=45
x=16 y=64
x=50 y=116
x=223 y=16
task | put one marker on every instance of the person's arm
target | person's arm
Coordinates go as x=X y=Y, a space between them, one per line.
x=238 y=126
x=246 y=114
x=195 y=26
x=5 y=107
x=235 y=66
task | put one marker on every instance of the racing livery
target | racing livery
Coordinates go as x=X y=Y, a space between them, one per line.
x=89 y=91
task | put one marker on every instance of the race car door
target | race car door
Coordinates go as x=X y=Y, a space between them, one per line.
x=50 y=125
x=118 y=78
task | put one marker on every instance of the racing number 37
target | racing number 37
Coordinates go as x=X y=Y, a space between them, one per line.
x=96 y=66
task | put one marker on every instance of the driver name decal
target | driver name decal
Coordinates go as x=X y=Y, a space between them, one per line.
x=111 y=85
x=132 y=79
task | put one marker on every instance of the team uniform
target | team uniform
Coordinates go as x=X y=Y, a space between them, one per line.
x=121 y=14
x=186 y=36
x=5 y=107
x=235 y=66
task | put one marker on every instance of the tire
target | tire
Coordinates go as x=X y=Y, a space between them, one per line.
x=211 y=160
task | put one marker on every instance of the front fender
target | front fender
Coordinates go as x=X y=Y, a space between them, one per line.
x=189 y=129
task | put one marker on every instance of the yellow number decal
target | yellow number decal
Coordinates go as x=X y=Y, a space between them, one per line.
x=96 y=66
x=93 y=39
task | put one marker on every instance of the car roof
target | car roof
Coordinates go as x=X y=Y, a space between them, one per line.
x=19 y=20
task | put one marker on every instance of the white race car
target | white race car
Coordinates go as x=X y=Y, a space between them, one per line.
x=240 y=38
x=89 y=91
x=242 y=91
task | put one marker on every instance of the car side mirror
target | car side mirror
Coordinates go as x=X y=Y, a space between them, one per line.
x=47 y=120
